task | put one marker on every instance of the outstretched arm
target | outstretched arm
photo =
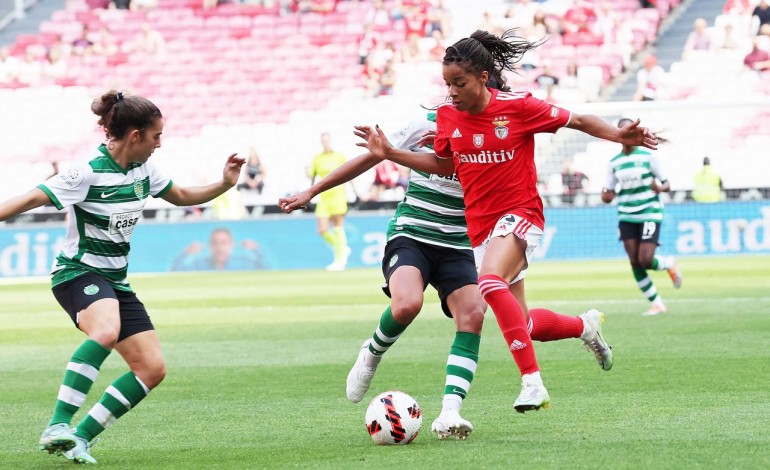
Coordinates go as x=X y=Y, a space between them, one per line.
x=193 y=195
x=630 y=134
x=376 y=142
x=342 y=174
x=22 y=203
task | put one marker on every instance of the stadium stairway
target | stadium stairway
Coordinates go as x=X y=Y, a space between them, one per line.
x=670 y=44
x=30 y=24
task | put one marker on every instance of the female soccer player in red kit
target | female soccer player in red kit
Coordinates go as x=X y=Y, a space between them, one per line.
x=486 y=137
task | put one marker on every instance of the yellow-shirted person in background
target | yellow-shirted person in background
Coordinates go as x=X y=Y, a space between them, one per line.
x=332 y=204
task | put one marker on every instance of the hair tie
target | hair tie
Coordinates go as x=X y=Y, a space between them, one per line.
x=120 y=95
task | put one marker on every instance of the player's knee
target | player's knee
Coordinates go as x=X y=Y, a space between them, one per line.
x=646 y=262
x=471 y=319
x=106 y=336
x=152 y=374
x=406 y=309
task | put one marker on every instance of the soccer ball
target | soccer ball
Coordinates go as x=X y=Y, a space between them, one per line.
x=393 y=417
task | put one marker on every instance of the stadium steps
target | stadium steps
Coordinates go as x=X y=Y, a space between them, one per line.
x=670 y=43
x=30 y=24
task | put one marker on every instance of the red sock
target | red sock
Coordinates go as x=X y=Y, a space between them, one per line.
x=551 y=326
x=510 y=319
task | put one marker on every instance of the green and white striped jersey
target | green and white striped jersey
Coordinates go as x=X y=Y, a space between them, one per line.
x=433 y=210
x=104 y=204
x=631 y=176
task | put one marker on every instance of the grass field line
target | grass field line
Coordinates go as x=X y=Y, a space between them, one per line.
x=532 y=304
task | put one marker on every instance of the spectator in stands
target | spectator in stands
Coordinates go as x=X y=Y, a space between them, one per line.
x=547 y=81
x=370 y=78
x=387 y=79
x=527 y=12
x=699 y=39
x=31 y=68
x=569 y=81
x=148 y=41
x=143 y=5
x=621 y=38
x=386 y=176
x=220 y=256
x=412 y=51
x=437 y=51
x=54 y=66
x=650 y=79
x=367 y=44
x=83 y=44
x=728 y=40
x=415 y=21
x=378 y=17
x=106 y=45
x=762 y=13
x=438 y=18
x=573 y=182
x=9 y=66
x=579 y=18
x=254 y=173
x=332 y=205
x=119 y=4
x=708 y=184
x=758 y=59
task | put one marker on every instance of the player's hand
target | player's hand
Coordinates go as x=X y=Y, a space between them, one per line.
x=374 y=141
x=232 y=170
x=297 y=201
x=656 y=187
x=193 y=248
x=427 y=139
x=634 y=135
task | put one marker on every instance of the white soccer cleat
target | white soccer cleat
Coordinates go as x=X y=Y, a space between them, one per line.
x=360 y=376
x=57 y=438
x=657 y=308
x=674 y=273
x=335 y=266
x=81 y=453
x=593 y=339
x=533 y=396
x=450 y=423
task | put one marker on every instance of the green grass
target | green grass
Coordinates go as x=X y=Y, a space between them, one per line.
x=257 y=364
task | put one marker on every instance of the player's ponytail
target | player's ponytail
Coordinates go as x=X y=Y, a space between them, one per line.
x=118 y=113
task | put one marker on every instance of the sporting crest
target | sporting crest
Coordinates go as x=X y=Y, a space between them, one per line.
x=139 y=187
x=478 y=140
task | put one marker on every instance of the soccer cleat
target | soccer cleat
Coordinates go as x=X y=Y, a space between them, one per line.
x=57 y=438
x=533 y=396
x=360 y=376
x=450 y=423
x=657 y=308
x=593 y=339
x=674 y=273
x=81 y=452
x=335 y=266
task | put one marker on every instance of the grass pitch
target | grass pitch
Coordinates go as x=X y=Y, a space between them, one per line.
x=257 y=365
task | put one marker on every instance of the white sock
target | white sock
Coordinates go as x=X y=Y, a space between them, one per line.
x=451 y=402
x=534 y=377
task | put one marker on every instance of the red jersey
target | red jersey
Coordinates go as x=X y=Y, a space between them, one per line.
x=494 y=156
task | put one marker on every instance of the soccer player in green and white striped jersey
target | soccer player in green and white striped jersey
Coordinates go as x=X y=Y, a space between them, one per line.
x=636 y=178
x=104 y=196
x=427 y=244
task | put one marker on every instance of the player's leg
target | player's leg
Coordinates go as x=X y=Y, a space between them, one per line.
x=93 y=307
x=139 y=346
x=631 y=236
x=455 y=275
x=341 y=248
x=503 y=257
x=649 y=260
x=405 y=269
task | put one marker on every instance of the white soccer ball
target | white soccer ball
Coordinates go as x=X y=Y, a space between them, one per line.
x=393 y=417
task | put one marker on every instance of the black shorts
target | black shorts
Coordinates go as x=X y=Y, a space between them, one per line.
x=77 y=294
x=645 y=232
x=446 y=269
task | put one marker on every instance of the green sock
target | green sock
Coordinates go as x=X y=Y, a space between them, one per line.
x=386 y=334
x=124 y=393
x=81 y=372
x=340 y=243
x=460 y=368
x=645 y=283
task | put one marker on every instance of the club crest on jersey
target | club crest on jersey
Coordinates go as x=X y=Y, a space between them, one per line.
x=478 y=140
x=139 y=187
x=501 y=129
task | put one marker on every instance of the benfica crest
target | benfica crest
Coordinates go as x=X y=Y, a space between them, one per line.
x=478 y=140
x=501 y=129
x=139 y=188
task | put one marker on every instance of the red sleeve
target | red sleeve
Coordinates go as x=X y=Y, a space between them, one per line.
x=541 y=116
x=441 y=140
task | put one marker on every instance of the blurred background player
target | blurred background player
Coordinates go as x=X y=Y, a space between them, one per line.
x=332 y=205
x=708 y=184
x=637 y=175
